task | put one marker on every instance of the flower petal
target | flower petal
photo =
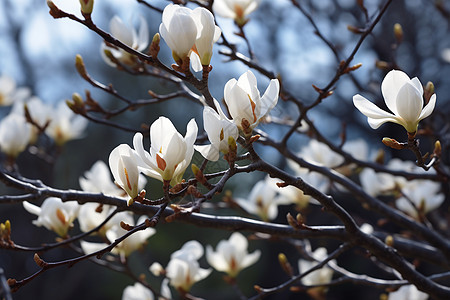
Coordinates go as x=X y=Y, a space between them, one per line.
x=270 y=97
x=409 y=103
x=390 y=87
x=428 y=109
x=376 y=116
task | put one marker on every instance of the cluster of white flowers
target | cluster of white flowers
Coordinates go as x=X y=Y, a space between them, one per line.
x=191 y=34
x=170 y=153
x=414 y=197
x=183 y=269
x=16 y=133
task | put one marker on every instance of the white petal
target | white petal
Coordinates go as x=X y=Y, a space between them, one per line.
x=248 y=83
x=238 y=241
x=250 y=259
x=270 y=97
x=208 y=152
x=196 y=64
x=409 y=103
x=120 y=31
x=143 y=37
x=392 y=83
x=428 y=109
x=222 y=9
x=417 y=84
x=376 y=116
x=216 y=260
x=31 y=208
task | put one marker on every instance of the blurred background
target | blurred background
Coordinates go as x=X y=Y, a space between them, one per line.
x=38 y=52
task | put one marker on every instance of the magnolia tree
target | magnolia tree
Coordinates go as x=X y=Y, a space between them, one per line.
x=393 y=219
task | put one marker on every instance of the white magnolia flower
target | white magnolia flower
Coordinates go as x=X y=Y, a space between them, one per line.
x=408 y=292
x=320 y=154
x=262 y=200
x=65 y=125
x=231 y=256
x=124 y=167
x=235 y=9
x=183 y=269
x=292 y=194
x=179 y=30
x=40 y=112
x=54 y=214
x=170 y=152
x=374 y=183
x=404 y=98
x=89 y=217
x=207 y=34
x=15 y=134
x=424 y=194
x=219 y=130
x=127 y=246
x=9 y=93
x=98 y=180
x=137 y=292
x=317 y=277
x=127 y=35
x=134 y=241
x=245 y=103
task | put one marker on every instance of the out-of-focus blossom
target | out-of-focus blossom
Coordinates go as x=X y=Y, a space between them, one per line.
x=207 y=34
x=404 y=98
x=374 y=183
x=90 y=217
x=219 y=130
x=98 y=180
x=183 y=269
x=231 y=255
x=134 y=241
x=137 y=292
x=317 y=277
x=320 y=154
x=54 y=214
x=127 y=35
x=424 y=194
x=39 y=112
x=244 y=102
x=179 y=30
x=294 y=195
x=124 y=167
x=170 y=152
x=127 y=246
x=15 y=134
x=358 y=149
x=262 y=200
x=235 y=9
x=65 y=125
x=408 y=292
x=9 y=93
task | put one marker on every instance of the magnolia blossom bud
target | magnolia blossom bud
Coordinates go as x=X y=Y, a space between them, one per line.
x=86 y=7
x=398 y=32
